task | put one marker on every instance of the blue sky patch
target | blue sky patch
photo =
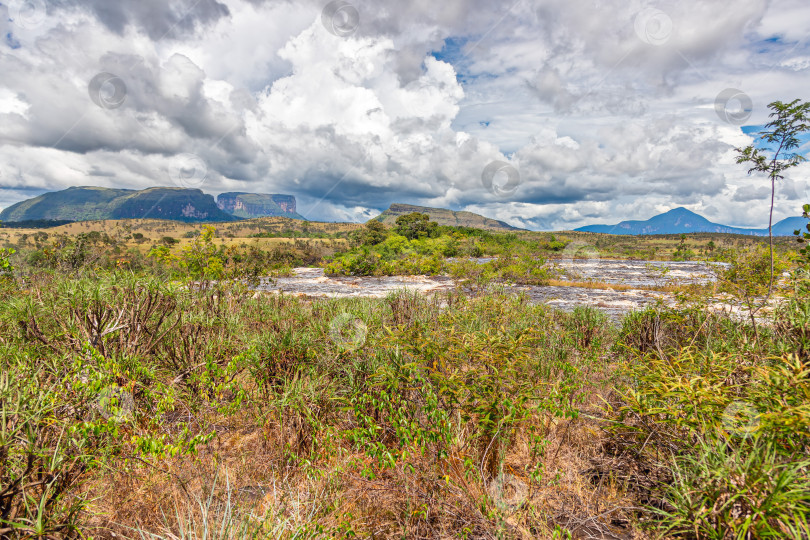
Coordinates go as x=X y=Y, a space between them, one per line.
x=12 y=42
x=754 y=131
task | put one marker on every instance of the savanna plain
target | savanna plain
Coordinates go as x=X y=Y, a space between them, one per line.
x=151 y=389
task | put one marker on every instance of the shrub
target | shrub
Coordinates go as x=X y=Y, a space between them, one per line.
x=721 y=491
x=374 y=232
x=6 y=268
x=42 y=462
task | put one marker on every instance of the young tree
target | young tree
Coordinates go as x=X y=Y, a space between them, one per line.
x=788 y=121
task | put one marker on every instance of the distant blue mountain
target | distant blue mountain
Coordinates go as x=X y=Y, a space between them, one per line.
x=681 y=220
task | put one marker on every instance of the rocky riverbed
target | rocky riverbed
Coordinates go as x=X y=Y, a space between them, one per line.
x=633 y=278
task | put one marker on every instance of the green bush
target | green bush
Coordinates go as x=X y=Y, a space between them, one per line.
x=725 y=491
x=6 y=268
x=374 y=232
x=416 y=225
x=42 y=461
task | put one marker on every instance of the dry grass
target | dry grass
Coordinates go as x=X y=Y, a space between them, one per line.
x=267 y=469
x=156 y=228
x=248 y=468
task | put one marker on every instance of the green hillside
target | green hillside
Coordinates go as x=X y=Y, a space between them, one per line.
x=445 y=217
x=94 y=203
x=76 y=203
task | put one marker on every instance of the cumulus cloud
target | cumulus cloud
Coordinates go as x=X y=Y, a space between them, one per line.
x=606 y=111
x=156 y=18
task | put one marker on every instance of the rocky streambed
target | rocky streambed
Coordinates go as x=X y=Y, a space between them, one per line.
x=632 y=278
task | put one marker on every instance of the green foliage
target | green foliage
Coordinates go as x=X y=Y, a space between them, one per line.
x=748 y=278
x=125 y=374
x=71 y=254
x=725 y=491
x=415 y=225
x=6 y=268
x=734 y=418
x=789 y=121
x=682 y=251
x=748 y=274
x=34 y=224
x=792 y=320
x=555 y=245
x=803 y=260
x=515 y=260
x=689 y=396
x=373 y=233
x=497 y=378
x=92 y=371
x=202 y=260
x=389 y=428
x=41 y=463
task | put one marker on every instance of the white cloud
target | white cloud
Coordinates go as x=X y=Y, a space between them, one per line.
x=603 y=124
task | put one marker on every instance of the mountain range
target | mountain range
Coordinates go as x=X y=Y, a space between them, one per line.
x=178 y=204
x=683 y=221
x=192 y=205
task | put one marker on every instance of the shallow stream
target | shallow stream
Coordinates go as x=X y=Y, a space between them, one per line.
x=311 y=282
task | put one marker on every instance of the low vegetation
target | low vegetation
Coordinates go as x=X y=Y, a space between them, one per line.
x=419 y=246
x=147 y=391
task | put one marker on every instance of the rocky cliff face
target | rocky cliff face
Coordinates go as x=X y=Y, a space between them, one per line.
x=252 y=205
x=286 y=203
x=170 y=203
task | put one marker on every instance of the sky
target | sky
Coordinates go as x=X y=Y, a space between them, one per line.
x=546 y=114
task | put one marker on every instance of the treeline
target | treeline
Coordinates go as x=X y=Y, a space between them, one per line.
x=35 y=224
